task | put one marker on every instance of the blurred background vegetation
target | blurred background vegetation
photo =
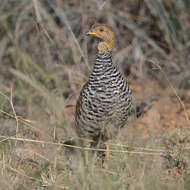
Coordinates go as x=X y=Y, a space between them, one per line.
x=45 y=58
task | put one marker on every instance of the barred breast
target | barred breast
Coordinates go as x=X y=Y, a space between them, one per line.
x=104 y=102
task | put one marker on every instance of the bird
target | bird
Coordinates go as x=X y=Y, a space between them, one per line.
x=105 y=100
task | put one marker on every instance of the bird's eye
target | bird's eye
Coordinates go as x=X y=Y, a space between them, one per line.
x=101 y=30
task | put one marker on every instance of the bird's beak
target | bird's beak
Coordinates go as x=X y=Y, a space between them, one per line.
x=91 y=33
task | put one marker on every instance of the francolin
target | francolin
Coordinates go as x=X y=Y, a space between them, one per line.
x=105 y=100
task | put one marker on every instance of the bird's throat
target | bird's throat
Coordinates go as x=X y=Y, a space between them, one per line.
x=105 y=46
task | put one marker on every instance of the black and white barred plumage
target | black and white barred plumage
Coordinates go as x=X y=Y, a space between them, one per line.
x=104 y=102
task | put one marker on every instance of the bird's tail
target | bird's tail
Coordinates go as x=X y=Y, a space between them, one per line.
x=142 y=107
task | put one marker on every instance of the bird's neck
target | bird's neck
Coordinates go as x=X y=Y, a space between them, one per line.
x=103 y=63
x=103 y=59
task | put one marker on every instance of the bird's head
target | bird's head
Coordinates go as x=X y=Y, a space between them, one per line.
x=105 y=34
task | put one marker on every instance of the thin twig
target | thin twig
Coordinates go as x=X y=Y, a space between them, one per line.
x=83 y=148
x=14 y=112
x=154 y=62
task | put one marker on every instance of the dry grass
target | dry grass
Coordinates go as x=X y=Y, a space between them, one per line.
x=45 y=59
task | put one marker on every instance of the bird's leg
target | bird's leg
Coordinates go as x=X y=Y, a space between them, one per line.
x=107 y=151
x=86 y=157
x=105 y=138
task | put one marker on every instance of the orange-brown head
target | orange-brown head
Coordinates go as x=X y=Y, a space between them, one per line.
x=105 y=33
